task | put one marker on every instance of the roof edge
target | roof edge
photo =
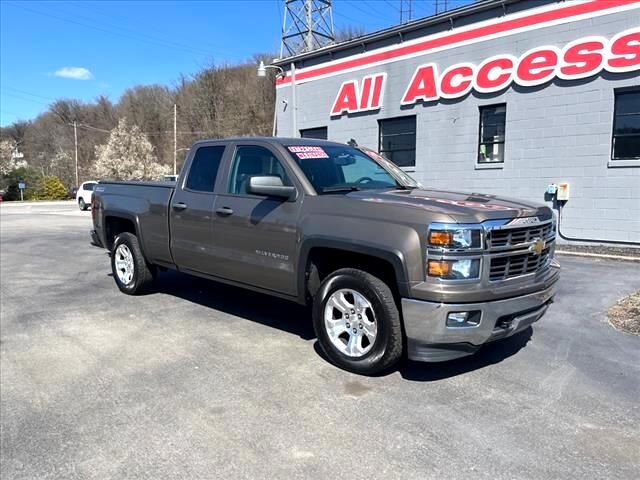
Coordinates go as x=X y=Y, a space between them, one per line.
x=444 y=17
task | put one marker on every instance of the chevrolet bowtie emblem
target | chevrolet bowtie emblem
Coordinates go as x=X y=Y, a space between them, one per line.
x=537 y=246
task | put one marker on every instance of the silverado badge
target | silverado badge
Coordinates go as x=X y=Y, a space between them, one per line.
x=537 y=246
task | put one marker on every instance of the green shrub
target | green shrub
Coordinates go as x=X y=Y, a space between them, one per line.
x=51 y=188
x=29 y=175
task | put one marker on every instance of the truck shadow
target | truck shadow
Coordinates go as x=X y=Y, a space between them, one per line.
x=289 y=317
x=490 y=354
x=256 y=307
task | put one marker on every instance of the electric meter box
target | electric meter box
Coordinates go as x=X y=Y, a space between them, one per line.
x=563 y=191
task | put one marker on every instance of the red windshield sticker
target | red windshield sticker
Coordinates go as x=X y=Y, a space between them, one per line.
x=303 y=152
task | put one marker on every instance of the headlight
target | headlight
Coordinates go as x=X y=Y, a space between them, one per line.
x=455 y=238
x=463 y=269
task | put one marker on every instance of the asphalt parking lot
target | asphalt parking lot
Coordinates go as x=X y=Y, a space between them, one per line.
x=201 y=380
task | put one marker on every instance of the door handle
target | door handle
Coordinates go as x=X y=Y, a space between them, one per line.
x=224 y=211
x=179 y=206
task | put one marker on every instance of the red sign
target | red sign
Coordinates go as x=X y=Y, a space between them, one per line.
x=304 y=152
x=354 y=97
x=581 y=58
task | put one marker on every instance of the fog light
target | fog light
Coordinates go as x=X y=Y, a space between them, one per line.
x=439 y=268
x=463 y=269
x=457 y=318
x=463 y=319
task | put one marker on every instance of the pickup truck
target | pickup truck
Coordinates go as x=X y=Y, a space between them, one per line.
x=388 y=267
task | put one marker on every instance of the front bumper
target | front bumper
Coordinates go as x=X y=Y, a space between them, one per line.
x=430 y=340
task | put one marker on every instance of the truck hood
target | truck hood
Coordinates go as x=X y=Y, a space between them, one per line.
x=462 y=207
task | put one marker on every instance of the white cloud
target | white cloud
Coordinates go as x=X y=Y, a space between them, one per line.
x=76 y=73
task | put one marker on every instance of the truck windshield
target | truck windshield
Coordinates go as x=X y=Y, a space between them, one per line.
x=333 y=169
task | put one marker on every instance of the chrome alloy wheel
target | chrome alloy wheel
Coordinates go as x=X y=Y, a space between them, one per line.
x=350 y=322
x=124 y=264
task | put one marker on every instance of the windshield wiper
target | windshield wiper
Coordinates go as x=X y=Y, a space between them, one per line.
x=399 y=186
x=352 y=188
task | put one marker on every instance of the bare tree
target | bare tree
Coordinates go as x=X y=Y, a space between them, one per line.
x=218 y=101
x=349 y=33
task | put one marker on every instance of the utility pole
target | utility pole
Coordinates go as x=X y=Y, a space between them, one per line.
x=294 y=103
x=175 y=138
x=75 y=137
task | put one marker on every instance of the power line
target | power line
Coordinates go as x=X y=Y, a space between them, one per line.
x=136 y=37
x=346 y=17
x=374 y=8
x=162 y=34
x=6 y=87
x=371 y=14
x=162 y=132
x=391 y=5
x=26 y=99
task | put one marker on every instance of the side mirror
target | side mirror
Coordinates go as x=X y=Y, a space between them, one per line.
x=270 y=186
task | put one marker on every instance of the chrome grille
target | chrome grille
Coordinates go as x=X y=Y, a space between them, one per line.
x=510 y=266
x=510 y=237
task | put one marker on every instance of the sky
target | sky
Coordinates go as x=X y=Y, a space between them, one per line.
x=83 y=49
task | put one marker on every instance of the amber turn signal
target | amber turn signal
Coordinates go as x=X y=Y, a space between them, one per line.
x=439 y=268
x=440 y=238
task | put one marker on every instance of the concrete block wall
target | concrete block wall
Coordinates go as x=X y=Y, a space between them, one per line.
x=557 y=132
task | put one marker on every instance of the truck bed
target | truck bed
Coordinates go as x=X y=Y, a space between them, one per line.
x=146 y=203
x=141 y=183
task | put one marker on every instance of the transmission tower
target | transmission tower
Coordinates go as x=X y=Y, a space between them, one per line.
x=307 y=25
x=439 y=2
x=406 y=10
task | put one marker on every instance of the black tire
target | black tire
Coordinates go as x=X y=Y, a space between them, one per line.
x=143 y=273
x=386 y=349
x=83 y=206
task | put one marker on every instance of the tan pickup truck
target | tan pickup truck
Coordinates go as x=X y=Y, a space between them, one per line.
x=390 y=268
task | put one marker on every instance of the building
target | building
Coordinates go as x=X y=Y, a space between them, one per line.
x=500 y=97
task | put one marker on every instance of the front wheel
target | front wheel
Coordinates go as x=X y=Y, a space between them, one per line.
x=130 y=270
x=357 y=322
x=82 y=205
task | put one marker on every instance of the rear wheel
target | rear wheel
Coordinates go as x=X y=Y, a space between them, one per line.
x=82 y=205
x=357 y=322
x=130 y=270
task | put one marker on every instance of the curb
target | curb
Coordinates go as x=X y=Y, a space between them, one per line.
x=598 y=255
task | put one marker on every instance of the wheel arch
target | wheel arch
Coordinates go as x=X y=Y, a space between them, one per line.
x=116 y=222
x=320 y=256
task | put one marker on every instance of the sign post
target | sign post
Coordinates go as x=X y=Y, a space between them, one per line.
x=22 y=186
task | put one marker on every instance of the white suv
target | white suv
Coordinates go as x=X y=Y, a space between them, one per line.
x=85 y=193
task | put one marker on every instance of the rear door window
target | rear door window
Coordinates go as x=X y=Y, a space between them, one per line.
x=204 y=169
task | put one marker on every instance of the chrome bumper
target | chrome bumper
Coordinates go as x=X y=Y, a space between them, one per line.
x=429 y=338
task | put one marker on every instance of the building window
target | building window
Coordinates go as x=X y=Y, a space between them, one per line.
x=398 y=140
x=626 y=125
x=491 y=141
x=319 y=133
